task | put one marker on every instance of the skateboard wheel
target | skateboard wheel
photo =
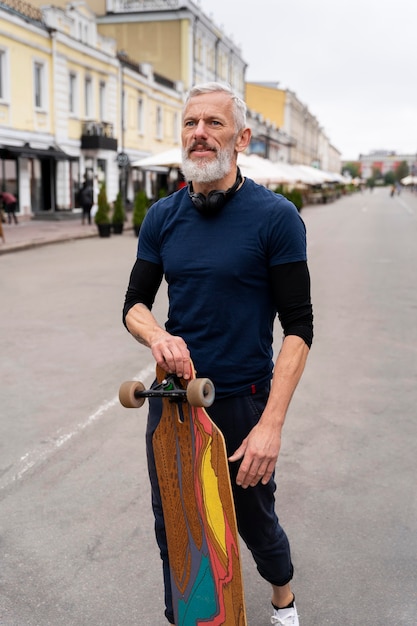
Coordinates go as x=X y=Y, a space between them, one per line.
x=200 y=392
x=128 y=394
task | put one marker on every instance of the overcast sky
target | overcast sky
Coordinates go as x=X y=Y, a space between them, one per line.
x=353 y=64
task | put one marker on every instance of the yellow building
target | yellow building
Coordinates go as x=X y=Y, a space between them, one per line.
x=270 y=101
x=28 y=151
x=175 y=36
x=70 y=104
x=309 y=143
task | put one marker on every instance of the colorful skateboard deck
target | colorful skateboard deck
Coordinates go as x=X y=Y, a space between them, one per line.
x=200 y=521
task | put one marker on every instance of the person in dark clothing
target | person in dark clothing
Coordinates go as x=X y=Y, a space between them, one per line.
x=10 y=205
x=234 y=256
x=86 y=200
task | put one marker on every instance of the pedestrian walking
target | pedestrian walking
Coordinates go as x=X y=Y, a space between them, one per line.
x=86 y=200
x=10 y=205
x=234 y=256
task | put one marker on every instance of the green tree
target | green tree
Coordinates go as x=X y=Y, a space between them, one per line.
x=140 y=206
x=118 y=216
x=389 y=178
x=402 y=170
x=376 y=172
x=103 y=208
x=353 y=168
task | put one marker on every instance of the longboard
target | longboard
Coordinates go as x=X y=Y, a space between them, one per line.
x=199 y=514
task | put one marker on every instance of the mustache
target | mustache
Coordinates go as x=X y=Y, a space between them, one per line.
x=201 y=144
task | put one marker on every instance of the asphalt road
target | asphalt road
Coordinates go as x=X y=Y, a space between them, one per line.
x=76 y=531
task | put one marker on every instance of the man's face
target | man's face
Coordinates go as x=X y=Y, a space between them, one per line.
x=208 y=137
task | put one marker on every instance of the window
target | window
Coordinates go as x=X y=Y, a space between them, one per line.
x=159 y=124
x=3 y=74
x=72 y=93
x=124 y=110
x=39 y=79
x=140 y=112
x=88 y=97
x=102 y=103
x=176 y=131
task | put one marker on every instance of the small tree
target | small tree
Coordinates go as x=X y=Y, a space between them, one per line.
x=103 y=208
x=118 y=216
x=140 y=207
x=295 y=196
x=402 y=170
x=389 y=178
x=353 y=168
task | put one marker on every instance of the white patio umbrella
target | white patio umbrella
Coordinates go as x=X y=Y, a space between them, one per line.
x=266 y=172
x=315 y=175
x=168 y=158
x=409 y=180
x=262 y=171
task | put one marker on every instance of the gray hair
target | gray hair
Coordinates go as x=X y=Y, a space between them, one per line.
x=239 y=106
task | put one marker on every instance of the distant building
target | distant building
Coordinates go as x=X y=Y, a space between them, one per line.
x=308 y=144
x=385 y=161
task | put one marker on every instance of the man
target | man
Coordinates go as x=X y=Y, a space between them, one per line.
x=10 y=204
x=234 y=255
x=86 y=200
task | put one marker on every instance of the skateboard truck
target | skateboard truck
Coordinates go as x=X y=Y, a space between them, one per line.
x=198 y=392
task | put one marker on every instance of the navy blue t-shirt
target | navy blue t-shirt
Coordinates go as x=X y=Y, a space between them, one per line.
x=217 y=273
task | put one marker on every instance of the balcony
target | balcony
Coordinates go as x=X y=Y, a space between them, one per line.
x=98 y=136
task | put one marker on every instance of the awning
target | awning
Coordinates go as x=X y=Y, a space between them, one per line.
x=26 y=151
x=409 y=180
x=169 y=158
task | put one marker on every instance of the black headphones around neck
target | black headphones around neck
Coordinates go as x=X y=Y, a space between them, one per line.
x=214 y=202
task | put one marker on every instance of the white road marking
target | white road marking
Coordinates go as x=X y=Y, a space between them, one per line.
x=38 y=455
x=409 y=209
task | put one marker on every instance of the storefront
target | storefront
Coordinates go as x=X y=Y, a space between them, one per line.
x=44 y=181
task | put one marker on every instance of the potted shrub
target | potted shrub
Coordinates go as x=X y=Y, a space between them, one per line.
x=295 y=196
x=140 y=207
x=118 y=217
x=102 y=217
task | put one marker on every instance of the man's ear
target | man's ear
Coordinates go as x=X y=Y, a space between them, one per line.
x=243 y=140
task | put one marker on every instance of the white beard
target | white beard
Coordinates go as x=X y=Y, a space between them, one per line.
x=208 y=171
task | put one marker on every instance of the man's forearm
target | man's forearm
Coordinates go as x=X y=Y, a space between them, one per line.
x=170 y=352
x=288 y=370
x=142 y=325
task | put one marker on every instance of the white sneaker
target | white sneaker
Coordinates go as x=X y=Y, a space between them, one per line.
x=285 y=617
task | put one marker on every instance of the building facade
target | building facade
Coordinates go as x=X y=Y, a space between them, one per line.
x=102 y=92
x=385 y=161
x=81 y=111
x=307 y=142
x=31 y=160
x=176 y=37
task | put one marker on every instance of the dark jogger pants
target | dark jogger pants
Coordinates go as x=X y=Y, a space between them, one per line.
x=255 y=506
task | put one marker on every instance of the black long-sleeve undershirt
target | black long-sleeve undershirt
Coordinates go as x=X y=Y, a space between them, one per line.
x=290 y=285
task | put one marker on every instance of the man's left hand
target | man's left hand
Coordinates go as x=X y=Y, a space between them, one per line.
x=259 y=454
